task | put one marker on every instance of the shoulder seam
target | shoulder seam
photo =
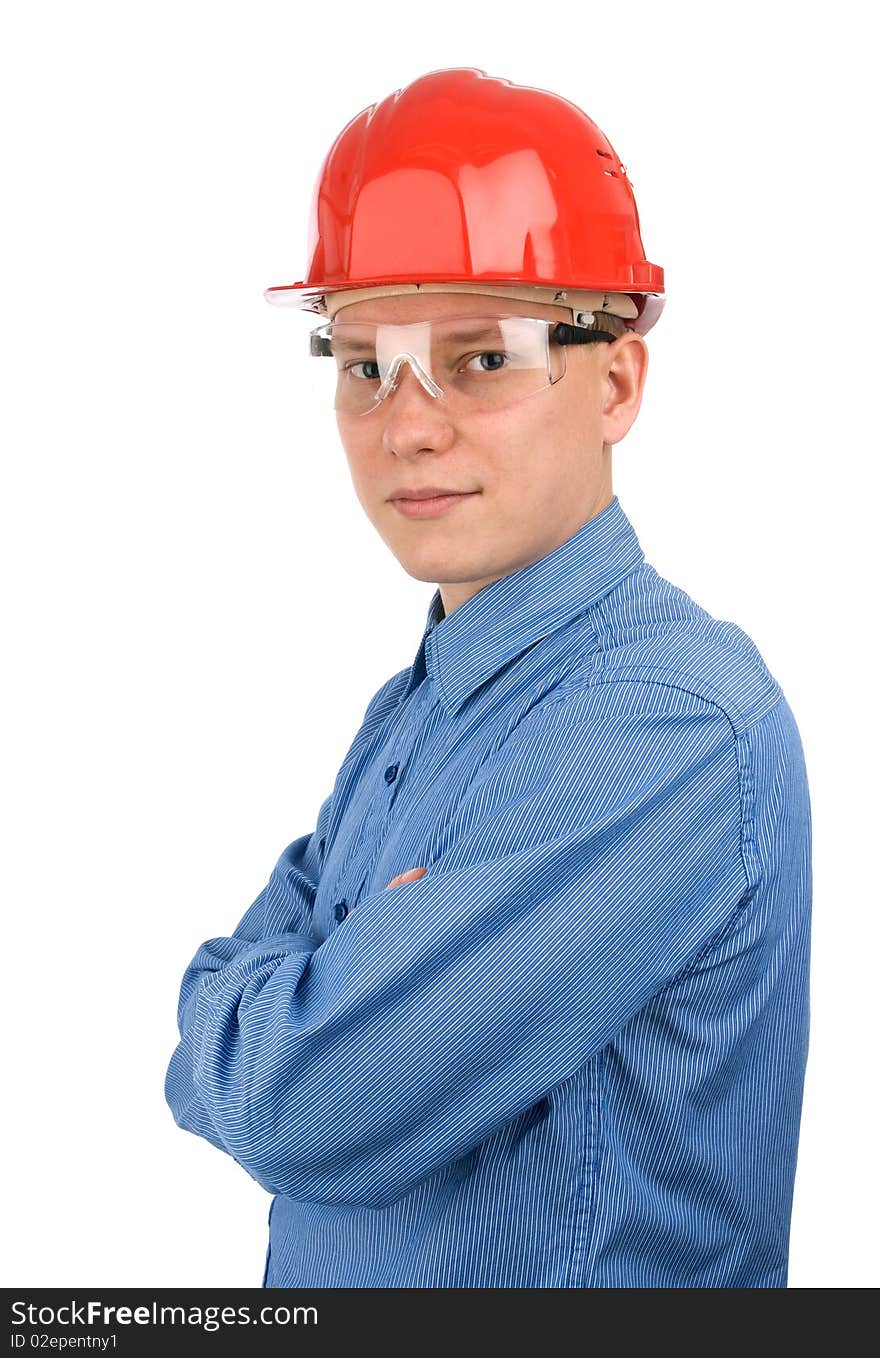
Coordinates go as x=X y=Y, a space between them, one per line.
x=742 y=748
x=707 y=693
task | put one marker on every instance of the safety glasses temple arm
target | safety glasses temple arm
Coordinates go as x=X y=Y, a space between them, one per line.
x=563 y=333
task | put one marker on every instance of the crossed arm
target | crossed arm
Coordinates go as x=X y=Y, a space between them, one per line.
x=348 y=1072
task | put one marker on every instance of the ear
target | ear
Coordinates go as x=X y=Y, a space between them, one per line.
x=624 y=372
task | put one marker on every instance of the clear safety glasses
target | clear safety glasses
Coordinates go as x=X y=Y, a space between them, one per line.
x=472 y=363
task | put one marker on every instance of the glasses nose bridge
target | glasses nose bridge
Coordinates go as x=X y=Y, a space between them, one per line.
x=396 y=372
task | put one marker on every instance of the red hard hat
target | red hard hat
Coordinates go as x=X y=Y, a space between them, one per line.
x=464 y=177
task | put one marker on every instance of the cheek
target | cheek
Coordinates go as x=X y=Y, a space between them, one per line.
x=527 y=454
x=348 y=435
x=506 y=445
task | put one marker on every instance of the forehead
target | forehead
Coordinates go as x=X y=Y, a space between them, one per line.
x=434 y=306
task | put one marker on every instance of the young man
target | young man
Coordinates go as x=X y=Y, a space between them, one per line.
x=529 y=1006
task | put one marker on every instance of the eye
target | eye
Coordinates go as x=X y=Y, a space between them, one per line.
x=492 y=354
x=364 y=363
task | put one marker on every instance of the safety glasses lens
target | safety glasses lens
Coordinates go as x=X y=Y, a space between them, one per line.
x=470 y=363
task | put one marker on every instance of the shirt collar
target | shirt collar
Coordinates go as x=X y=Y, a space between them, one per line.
x=502 y=619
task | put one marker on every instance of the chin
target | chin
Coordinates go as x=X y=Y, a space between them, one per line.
x=438 y=565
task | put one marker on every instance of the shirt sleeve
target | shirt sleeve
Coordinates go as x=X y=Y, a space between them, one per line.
x=280 y=916
x=592 y=858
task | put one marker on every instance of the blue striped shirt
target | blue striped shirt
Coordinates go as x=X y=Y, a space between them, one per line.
x=572 y=1054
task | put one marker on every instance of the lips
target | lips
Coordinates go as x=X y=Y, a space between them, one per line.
x=427 y=493
x=429 y=506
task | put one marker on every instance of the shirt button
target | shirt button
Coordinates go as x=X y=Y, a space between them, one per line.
x=340 y=910
x=391 y=773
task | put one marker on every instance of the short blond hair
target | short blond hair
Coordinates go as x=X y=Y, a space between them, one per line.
x=604 y=320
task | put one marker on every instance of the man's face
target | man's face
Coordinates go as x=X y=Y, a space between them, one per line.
x=534 y=472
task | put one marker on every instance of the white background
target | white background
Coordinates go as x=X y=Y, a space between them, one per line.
x=196 y=611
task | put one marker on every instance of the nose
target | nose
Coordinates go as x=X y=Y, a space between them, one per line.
x=414 y=419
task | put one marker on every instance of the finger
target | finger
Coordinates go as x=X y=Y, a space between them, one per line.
x=412 y=875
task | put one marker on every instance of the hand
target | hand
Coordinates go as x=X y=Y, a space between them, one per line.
x=412 y=875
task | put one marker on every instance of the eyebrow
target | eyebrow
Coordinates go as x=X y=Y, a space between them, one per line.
x=350 y=345
x=342 y=345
